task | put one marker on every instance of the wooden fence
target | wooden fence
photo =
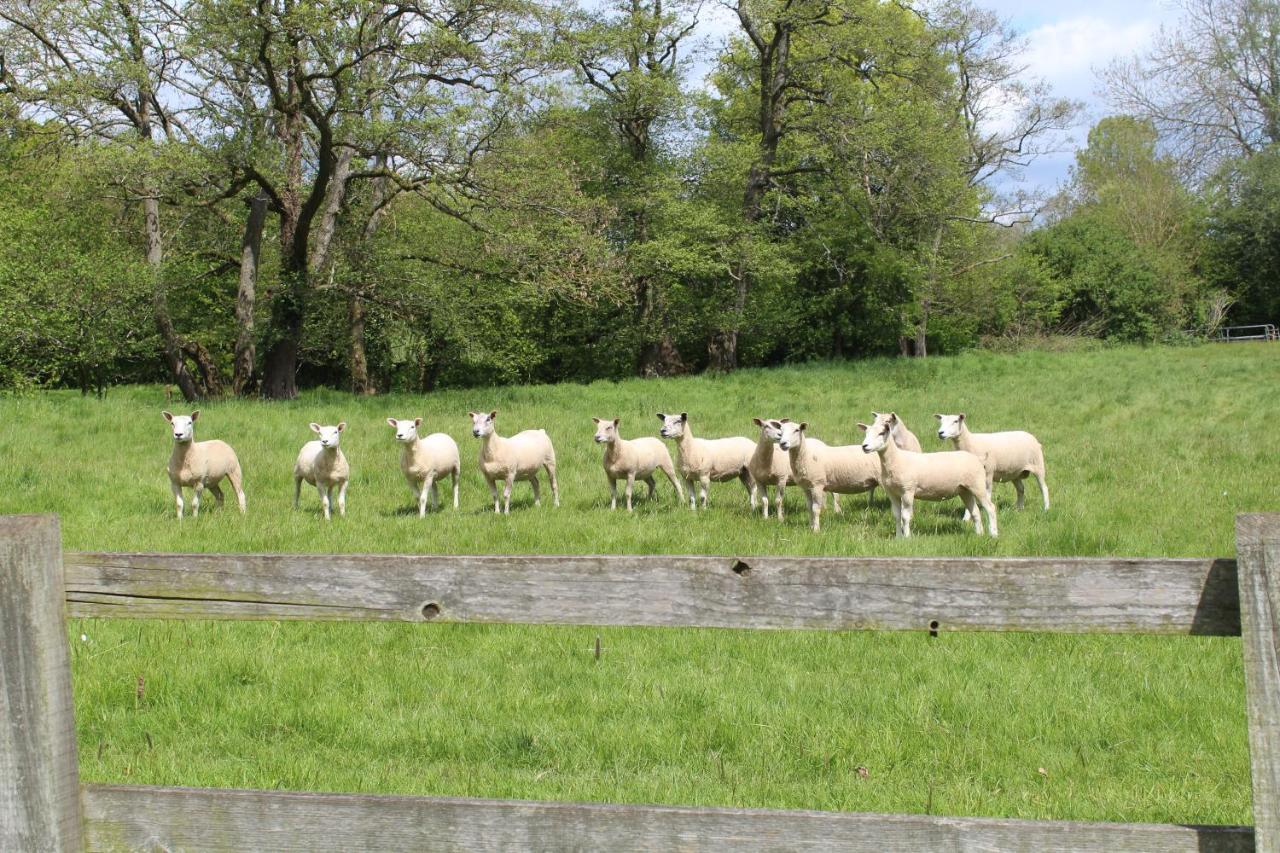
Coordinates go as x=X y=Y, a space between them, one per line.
x=43 y=805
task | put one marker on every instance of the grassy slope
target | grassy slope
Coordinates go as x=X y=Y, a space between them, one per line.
x=1149 y=451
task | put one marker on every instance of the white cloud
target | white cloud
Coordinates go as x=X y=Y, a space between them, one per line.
x=1067 y=53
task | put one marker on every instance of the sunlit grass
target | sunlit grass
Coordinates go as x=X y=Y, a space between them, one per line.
x=1149 y=452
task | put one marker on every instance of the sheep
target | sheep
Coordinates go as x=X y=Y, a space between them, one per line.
x=768 y=468
x=902 y=436
x=426 y=460
x=515 y=458
x=323 y=465
x=704 y=460
x=632 y=460
x=200 y=464
x=1006 y=456
x=906 y=476
x=820 y=468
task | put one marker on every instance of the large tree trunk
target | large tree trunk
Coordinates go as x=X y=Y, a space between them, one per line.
x=171 y=345
x=250 y=254
x=361 y=383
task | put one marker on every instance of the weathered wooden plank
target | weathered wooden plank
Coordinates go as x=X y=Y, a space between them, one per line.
x=1258 y=547
x=39 y=777
x=135 y=818
x=1145 y=595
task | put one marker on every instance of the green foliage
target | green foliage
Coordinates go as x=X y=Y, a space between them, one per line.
x=1244 y=254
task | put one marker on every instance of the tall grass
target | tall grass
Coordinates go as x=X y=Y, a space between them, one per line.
x=1150 y=451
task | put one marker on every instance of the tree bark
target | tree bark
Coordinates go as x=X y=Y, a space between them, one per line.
x=250 y=255
x=171 y=345
x=361 y=383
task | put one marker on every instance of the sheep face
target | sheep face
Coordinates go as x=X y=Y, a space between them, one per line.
x=877 y=435
x=406 y=431
x=184 y=426
x=329 y=435
x=482 y=424
x=789 y=435
x=949 y=426
x=606 y=430
x=673 y=425
x=772 y=429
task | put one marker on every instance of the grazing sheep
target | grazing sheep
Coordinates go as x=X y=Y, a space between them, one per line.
x=323 y=465
x=769 y=467
x=516 y=458
x=906 y=476
x=633 y=460
x=424 y=461
x=1006 y=456
x=200 y=464
x=902 y=436
x=820 y=468
x=707 y=460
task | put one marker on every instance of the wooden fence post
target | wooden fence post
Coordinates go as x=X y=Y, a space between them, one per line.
x=39 y=777
x=1258 y=556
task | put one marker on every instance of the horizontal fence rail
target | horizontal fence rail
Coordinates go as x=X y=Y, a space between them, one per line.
x=137 y=818
x=1112 y=595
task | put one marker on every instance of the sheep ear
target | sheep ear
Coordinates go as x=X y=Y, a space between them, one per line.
x=662 y=417
x=471 y=414
x=168 y=416
x=939 y=417
x=684 y=416
x=617 y=421
x=803 y=427
x=595 y=420
x=891 y=418
x=314 y=427
x=417 y=422
x=757 y=422
x=493 y=416
x=342 y=425
x=785 y=421
x=877 y=414
x=391 y=422
x=863 y=426
x=196 y=414
x=961 y=416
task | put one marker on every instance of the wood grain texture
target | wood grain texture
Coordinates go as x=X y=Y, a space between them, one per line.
x=134 y=818
x=39 y=777
x=1258 y=546
x=1143 y=595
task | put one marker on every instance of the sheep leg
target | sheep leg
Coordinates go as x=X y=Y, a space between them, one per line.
x=653 y=487
x=537 y=490
x=816 y=499
x=895 y=506
x=342 y=499
x=693 y=493
x=908 y=509
x=177 y=497
x=1017 y=487
x=435 y=495
x=455 y=488
x=778 y=492
x=493 y=490
x=763 y=492
x=748 y=483
x=297 y=491
x=990 y=507
x=971 y=508
x=555 y=484
x=506 y=493
x=324 y=498
x=835 y=503
x=764 y=500
x=196 y=491
x=871 y=496
x=425 y=493
x=675 y=482
x=613 y=493
x=631 y=484
x=1044 y=489
x=216 y=492
x=704 y=483
x=237 y=485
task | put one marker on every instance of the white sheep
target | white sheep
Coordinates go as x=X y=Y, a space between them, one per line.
x=323 y=465
x=769 y=467
x=200 y=464
x=1006 y=456
x=515 y=458
x=707 y=460
x=632 y=460
x=425 y=461
x=902 y=436
x=906 y=476
x=821 y=468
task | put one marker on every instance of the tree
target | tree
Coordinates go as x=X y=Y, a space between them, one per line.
x=1210 y=85
x=1244 y=224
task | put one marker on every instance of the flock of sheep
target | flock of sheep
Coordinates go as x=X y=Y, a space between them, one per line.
x=784 y=454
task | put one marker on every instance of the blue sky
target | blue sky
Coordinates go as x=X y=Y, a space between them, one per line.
x=1067 y=42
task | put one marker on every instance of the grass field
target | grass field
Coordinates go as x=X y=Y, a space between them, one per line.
x=1150 y=452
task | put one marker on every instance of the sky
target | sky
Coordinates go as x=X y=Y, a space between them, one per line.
x=1066 y=43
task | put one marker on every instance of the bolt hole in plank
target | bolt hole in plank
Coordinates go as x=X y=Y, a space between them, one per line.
x=430 y=610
